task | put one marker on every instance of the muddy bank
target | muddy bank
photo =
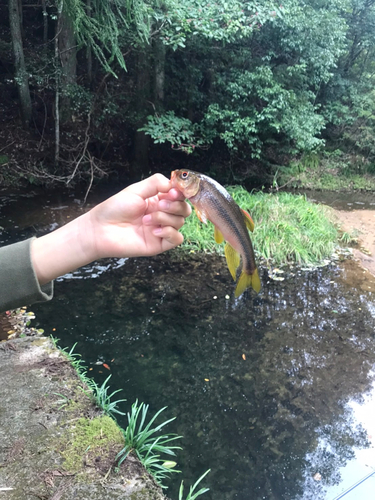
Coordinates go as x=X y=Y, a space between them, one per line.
x=361 y=225
x=55 y=444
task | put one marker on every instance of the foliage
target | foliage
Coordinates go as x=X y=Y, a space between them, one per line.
x=16 y=323
x=103 y=399
x=333 y=170
x=192 y=495
x=179 y=132
x=144 y=440
x=288 y=228
x=259 y=84
x=216 y=21
x=101 y=27
x=99 y=393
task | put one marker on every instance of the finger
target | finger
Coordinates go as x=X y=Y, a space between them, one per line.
x=173 y=194
x=163 y=219
x=170 y=237
x=151 y=186
x=175 y=207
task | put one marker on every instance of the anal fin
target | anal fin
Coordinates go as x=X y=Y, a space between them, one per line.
x=219 y=238
x=233 y=260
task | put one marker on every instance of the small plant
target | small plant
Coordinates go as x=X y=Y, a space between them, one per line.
x=349 y=238
x=193 y=495
x=103 y=399
x=76 y=361
x=98 y=392
x=142 y=439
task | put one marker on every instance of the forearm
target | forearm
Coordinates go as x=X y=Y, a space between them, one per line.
x=62 y=251
x=19 y=285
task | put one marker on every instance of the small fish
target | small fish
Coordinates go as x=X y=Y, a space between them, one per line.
x=212 y=202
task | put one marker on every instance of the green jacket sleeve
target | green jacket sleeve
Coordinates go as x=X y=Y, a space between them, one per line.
x=18 y=283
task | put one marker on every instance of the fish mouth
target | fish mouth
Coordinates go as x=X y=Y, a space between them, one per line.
x=173 y=175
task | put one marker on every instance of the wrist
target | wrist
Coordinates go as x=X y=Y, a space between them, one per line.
x=63 y=250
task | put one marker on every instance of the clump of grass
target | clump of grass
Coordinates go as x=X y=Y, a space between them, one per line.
x=145 y=441
x=288 y=228
x=192 y=495
x=99 y=393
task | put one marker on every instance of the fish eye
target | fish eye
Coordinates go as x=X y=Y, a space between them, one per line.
x=185 y=175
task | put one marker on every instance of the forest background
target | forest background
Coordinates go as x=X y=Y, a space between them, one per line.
x=244 y=91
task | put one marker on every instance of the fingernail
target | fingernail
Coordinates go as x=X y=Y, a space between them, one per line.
x=157 y=230
x=164 y=204
x=147 y=219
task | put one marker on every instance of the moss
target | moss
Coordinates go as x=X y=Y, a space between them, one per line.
x=87 y=439
x=42 y=341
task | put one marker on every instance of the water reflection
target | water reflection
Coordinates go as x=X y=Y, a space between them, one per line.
x=259 y=385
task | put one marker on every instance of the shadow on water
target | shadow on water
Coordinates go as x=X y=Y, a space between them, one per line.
x=259 y=385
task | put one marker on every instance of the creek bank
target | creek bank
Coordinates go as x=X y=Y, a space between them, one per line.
x=43 y=408
x=361 y=225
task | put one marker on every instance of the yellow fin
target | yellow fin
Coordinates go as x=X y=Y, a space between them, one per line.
x=233 y=260
x=248 y=220
x=219 y=238
x=247 y=280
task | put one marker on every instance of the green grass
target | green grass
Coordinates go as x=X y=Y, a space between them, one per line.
x=192 y=495
x=288 y=229
x=146 y=442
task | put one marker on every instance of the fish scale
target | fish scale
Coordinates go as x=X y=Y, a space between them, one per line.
x=213 y=202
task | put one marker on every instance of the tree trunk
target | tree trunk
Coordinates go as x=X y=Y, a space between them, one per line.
x=159 y=69
x=89 y=50
x=68 y=61
x=60 y=5
x=45 y=26
x=20 y=73
x=141 y=140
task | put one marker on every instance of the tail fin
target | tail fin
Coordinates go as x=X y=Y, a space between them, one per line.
x=247 y=280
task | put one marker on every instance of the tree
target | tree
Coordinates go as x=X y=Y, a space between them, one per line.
x=20 y=73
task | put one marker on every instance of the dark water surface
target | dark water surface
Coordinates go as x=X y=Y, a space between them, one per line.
x=263 y=387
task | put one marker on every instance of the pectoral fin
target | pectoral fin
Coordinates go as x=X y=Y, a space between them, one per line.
x=219 y=238
x=233 y=260
x=248 y=221
x=201 y=215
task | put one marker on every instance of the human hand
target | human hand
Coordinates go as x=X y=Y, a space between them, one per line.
x=141 y=220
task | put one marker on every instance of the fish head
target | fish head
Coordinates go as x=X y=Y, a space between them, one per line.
x=186 y=181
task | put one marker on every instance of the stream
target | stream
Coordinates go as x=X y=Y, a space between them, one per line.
x=272 y=392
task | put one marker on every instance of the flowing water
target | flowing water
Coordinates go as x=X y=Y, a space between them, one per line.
x=267 y=389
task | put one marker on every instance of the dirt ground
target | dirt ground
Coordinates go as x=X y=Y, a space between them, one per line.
x=361 y=224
